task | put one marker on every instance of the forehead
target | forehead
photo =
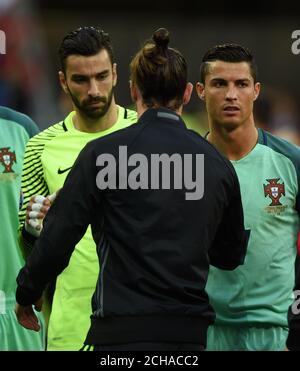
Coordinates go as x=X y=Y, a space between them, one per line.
x=84 y=65
x=228 y=70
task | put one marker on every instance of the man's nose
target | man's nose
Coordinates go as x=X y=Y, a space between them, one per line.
x=231 y=93
x=94 y=89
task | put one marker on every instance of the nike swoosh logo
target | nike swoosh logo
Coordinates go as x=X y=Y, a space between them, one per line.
x=59 y=171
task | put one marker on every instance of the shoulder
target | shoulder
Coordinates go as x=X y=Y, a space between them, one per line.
x=123 y=136
x=282 y=147
x=48 y=134
x=19 y=119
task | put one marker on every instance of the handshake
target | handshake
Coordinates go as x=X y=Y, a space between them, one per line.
x=36 y=211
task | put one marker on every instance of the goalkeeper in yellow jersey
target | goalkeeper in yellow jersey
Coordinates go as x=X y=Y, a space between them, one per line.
x=88 y=75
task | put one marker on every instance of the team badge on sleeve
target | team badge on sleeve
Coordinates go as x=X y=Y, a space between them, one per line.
x=7 y=159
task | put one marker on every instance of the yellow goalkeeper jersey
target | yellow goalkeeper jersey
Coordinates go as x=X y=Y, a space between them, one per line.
x=48 y=158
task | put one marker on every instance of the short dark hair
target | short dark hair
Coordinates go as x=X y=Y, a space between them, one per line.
x=232 y=53
x=87 y=41
x=160 y=72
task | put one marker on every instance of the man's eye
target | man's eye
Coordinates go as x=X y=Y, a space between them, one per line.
x=218 y=84
x=102 y=77
x=79 y=79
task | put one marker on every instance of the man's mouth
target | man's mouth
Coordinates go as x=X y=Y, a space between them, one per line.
x=231 y=108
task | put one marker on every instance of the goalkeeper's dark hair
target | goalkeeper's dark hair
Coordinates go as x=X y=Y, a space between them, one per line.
x=86 y=41
x=232 y=53
x=159 y=72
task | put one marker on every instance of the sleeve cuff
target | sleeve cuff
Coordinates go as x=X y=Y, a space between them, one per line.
x=26 y=293
x=293 y=340
x=24 y=297
x=28 y=238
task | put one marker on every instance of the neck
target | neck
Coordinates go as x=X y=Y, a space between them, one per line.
x=236 y=143
x=141 y=108
x=89 y=125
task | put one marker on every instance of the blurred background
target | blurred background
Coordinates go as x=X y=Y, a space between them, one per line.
x=34 y=29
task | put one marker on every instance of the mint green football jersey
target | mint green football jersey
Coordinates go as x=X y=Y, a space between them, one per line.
x=48 y=158
x=15 y=131
x=259 y=292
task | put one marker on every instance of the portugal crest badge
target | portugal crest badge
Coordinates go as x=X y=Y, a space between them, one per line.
x=275 y=191
x=7 y=159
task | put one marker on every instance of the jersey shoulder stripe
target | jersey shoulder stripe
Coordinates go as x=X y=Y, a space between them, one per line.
x=285 y=148
x=48 y=134
x=35 y=147
x=281 y=146
x=33 y=180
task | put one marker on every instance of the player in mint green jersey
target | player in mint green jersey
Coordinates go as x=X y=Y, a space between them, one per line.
x=88 y=75
x=15 y=131
x=252 y=301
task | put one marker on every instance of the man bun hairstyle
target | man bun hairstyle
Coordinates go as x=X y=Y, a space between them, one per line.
x=160 y=72
x=161 y=37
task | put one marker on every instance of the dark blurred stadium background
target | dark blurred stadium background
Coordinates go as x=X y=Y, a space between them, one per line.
x=28 y=70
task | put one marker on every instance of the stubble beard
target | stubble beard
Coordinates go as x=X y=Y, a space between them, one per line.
x=91 y=112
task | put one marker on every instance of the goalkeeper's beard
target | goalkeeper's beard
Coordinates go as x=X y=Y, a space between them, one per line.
x=93 y=112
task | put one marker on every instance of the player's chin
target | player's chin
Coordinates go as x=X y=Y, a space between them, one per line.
x=230 y=123
x=234 y=119
x=95 y=113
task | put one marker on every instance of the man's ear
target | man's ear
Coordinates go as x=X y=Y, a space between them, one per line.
x=63 y=82
x=256 y=90
x=200 y=90
x=187 y=93
x=133 y=91
x=114 y=74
